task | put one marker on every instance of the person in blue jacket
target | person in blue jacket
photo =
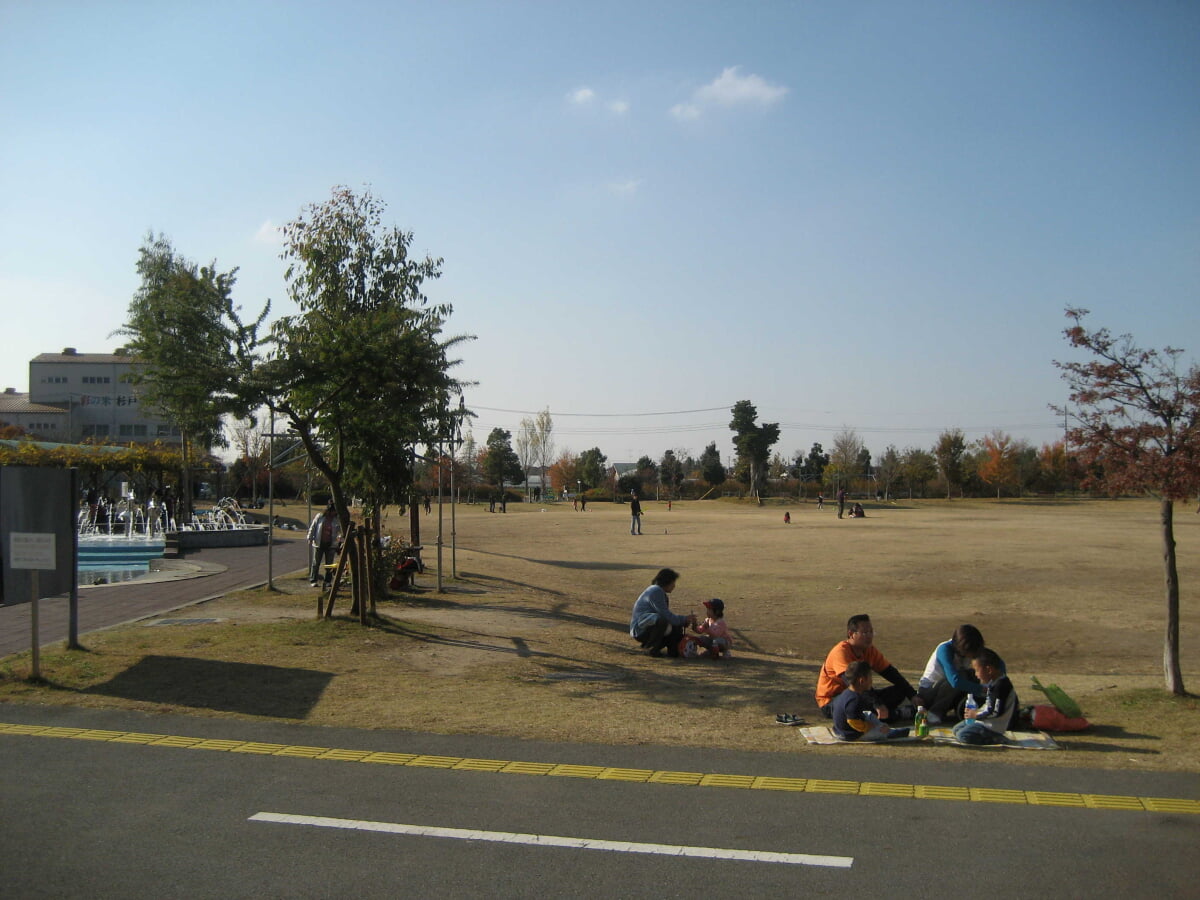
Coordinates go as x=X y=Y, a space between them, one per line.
x=653 y=625
x=948 y=676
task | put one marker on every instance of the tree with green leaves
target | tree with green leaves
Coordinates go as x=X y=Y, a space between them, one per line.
x=753 y=443
x=888 y=470
x=590 y=468
x=813 y=467
x=1137 y=428
x=194 y=351
x=362 y=373
x=948 y=451
x=711 y=470
x=918 y=467
x=500 y=463
x=670 y=470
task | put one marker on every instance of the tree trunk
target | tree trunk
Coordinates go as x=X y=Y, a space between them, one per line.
x=1171 y=668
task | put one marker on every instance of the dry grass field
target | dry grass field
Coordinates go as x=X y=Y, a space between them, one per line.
x=530 y=640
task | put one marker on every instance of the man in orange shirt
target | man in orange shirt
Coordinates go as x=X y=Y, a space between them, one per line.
x=859 y=645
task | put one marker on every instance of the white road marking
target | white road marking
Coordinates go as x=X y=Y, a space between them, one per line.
x=547 y=840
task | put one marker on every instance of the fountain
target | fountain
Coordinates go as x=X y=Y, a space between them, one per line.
x=117 y=542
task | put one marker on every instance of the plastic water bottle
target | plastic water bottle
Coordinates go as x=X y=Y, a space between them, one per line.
x=921 y=723
x=970 y=705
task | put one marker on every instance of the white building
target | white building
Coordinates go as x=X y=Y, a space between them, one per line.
x=99 y=403
x=46 y=423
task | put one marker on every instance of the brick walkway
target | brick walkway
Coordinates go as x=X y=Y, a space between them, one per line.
x=102 y=607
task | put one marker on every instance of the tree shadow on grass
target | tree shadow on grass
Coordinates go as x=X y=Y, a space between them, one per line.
x=245 y=688
x=772 y=683
x=1111 y=737
x=556 y=613
x=600 y=566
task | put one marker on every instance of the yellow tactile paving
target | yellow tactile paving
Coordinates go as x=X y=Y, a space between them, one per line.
x=345 y=755
x=676 y=777
x=134 y=737
x=826 y=786
x=303 y=752
x=482 y=765
x=767 y=783
x=255 y=747
x=566 y=771
x=94 y=735
x=940 y=792
x=1165 y=804
x=1051 y=798
x=636 y=775
x=1102 y=801
x=608 y=773
x=527 y=768
x=435 y=762
x=877 y=789
x=390 y=759
x=216 y=745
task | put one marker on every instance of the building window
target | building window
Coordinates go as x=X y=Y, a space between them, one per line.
x=95 y=431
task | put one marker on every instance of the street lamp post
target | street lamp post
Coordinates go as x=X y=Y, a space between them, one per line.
x=455 y=440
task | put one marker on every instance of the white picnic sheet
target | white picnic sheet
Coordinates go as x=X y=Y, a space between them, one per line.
x=1018 y=740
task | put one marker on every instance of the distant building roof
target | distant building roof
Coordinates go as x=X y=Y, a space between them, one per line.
x=71 y=355
x=12 y=402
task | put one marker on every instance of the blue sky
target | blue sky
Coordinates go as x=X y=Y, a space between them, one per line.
x=856 y=215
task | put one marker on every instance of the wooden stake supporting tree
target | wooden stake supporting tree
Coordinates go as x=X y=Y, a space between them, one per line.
x=357 y=558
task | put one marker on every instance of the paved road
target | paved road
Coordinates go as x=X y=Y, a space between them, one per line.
x=226 y=569
x=169 y=806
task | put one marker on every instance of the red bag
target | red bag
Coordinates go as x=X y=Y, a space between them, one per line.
x=1047 y=718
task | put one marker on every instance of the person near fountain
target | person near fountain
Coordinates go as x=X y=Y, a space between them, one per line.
x=324 y=536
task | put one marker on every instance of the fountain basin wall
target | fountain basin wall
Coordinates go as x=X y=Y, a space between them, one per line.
x=104 y=552
x=242 y=536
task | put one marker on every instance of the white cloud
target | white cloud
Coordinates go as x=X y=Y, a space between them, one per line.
x=730 y=88
x=581 y=96
x=626 y=187
x=268 y=233
x=685 y=111
x=619 y=107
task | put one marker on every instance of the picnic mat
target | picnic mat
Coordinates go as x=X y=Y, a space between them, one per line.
x=1019 y=740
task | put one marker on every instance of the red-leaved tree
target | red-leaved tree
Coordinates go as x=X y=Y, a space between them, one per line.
x=1137 y=428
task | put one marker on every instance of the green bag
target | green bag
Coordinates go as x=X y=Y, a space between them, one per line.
x=1061 y=700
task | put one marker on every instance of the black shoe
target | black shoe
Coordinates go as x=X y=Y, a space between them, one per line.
x=656 y=651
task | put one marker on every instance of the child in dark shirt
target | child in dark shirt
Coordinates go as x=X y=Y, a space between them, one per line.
x=854 y=715
x=987 y=724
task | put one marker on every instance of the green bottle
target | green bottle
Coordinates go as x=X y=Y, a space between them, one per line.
x=921 y=723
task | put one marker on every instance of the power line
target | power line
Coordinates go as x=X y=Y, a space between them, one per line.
x=676 y=412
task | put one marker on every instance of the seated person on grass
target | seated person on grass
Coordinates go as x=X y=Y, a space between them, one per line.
x=653 y=625
x=713 y=632
x=859 y=646
x=948 y=676
x=854 y=716
x=987 y=724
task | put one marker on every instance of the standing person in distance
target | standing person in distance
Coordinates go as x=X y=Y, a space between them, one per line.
x=324 y=535
x=841 y=501
x=635 y=512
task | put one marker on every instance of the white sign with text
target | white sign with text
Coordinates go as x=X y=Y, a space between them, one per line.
x=32 y=550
